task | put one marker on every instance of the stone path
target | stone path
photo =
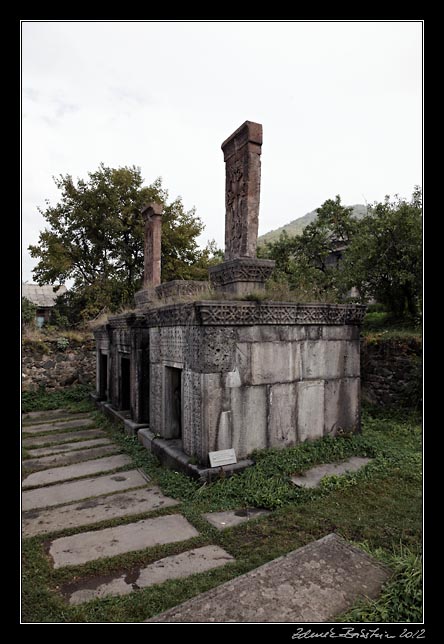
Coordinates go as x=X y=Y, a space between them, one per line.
x=311 y=584
x=79 y=479
x=313 y=476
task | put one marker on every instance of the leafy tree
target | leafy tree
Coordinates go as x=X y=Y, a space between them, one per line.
x=28 y=312
x=95 y=237
x=310 y=261
x=384 y=258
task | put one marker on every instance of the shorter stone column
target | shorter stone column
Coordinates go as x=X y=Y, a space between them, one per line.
x=152 y=217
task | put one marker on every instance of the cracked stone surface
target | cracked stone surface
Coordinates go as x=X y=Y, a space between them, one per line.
x=67 y=447
x=311 y=584
x=68 y=458
x=55 y=474
x=52 y=427
x=187 y=563
x=87 y=546
x=63 y=438
x=99 y=508
x=76 y=490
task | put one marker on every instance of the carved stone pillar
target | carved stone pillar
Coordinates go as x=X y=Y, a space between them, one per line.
x=242 y=272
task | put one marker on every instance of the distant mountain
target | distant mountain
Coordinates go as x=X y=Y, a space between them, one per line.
x=296 y=226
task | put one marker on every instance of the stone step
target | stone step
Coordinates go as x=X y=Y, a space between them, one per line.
x=57 y=474
x=230 y=518
x=87 y=546
x=52 y=427
x=67 y=447
x=46 y=413
x=50 y=416
x=313 y=476
x=65 y=437
x=312 y=584
x=100 y=508
x=68 y=458
x=84 y=489
x=179 y=566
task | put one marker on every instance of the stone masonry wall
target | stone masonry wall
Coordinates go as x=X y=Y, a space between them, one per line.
x=391 y=371
x=46 y=363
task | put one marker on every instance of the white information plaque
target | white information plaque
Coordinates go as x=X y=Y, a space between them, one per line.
x=222 y=457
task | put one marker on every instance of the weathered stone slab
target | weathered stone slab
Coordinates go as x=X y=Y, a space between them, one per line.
x=230 y=518
x=310 y=410
x=312 y=584
x=87 y=546
x=274 y=362
x=282 y=415
x=187 y=563
x=312 y=477
x=68 y=458
x=67 y=447
x=50 y=415
x=100 y=508
x=76 y=490
x=52 y=427
x=67 y=472
x=66 y=437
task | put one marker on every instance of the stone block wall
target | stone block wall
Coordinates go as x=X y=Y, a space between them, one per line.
x=44 y=364
x=391 y=371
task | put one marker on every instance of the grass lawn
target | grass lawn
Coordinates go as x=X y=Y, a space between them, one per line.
x=378 y=508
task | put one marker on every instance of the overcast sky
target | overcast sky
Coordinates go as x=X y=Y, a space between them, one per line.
x=340 y=104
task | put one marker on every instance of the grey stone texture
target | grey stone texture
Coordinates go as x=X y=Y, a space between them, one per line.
x=312 y=477
x=83 y=489
x=231 y=518
x=63 y=438
x=55 y=369
x=185 y=564
x=57 y=425
x=68 y=458
x=67 y=447
x=99 y=508
x=86 y=468
x=312 y=584
x=87 y=546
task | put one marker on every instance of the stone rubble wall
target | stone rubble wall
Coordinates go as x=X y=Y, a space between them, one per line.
x=44 y=364
x=391 y=371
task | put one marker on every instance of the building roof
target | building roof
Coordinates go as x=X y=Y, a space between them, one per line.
x=42 y=295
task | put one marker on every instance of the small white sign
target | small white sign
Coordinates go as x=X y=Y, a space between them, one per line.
x=222 y=457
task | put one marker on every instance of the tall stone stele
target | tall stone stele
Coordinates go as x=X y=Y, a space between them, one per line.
x=152 y=217
x=242 y=272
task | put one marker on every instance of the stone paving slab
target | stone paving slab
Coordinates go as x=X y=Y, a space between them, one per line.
x=57 y=474
x=50 y=417
x=312 y=477
x=67 y=447
x=87 y=546
x=230 y=518
x=52 y=427
x=76 y=490
x=173 y=567
x=68 y=458
x=65 y=437
x=312 y=584
x=100 y=508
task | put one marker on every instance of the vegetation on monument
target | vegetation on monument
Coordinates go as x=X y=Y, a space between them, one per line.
x=381 y=254
x=95 y=237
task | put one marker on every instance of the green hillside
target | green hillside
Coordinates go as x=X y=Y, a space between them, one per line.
x=296 y=226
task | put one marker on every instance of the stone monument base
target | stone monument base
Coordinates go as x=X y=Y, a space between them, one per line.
x=241 y=276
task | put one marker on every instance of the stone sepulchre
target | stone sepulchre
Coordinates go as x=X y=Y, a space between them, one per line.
x=208 y=375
